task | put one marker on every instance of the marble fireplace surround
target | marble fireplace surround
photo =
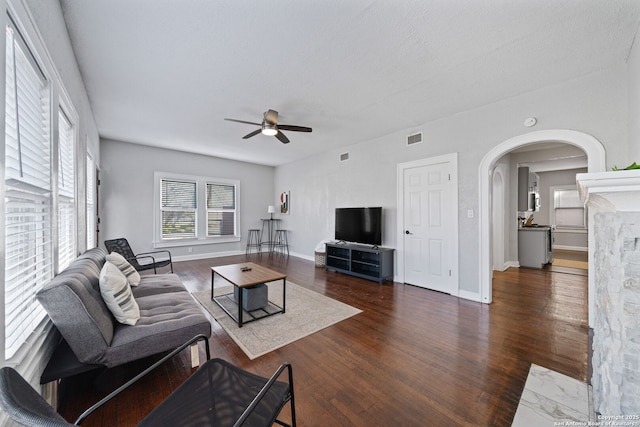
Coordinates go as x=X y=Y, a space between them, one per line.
x=613 y=201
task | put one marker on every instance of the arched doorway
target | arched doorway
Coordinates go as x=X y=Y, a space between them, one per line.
x=595 y=163
x=498 y=218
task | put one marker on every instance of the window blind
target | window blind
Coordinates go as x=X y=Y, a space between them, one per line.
x=66 y=192
x=569 y=211
x=91 y=203
x=28 y=253
x=178 y=205
x=221 y=210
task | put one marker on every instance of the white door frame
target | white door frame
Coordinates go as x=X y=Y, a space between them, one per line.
x=453 y=160
x=595 y=163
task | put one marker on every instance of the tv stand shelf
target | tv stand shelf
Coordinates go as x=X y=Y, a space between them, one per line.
x=361 y=261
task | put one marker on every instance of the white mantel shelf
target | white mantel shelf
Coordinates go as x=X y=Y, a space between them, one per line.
x=610 y=191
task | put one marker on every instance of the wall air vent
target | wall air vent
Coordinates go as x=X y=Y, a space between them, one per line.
x=344 y=157
x=415 y=138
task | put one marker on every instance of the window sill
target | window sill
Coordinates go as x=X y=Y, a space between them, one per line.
x=571 y=230
x=195 y=242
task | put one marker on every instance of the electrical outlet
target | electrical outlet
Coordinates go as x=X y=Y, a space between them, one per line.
x=190 y=249
x=470 y=213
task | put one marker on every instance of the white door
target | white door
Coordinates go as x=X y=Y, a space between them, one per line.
x=429 y=236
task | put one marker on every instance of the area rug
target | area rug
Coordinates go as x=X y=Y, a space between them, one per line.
x=307 y=312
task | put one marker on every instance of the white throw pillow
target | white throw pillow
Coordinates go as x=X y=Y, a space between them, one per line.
x=117 y=294
x=133 y=277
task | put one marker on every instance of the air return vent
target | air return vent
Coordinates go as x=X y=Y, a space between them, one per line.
x=344 y=157
x=415 y=138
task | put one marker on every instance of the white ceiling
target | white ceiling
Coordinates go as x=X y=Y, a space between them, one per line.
x=167 y=72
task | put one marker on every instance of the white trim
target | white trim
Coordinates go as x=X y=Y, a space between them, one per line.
x=451 y=158
x=201 y=211
x=596 y=163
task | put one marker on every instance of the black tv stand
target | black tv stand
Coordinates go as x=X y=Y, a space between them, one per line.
x=373 y=263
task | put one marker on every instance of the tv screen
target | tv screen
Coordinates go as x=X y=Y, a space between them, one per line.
x=359 y=225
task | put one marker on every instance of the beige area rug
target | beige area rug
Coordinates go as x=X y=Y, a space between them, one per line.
x=570 y=263
x=306 y=312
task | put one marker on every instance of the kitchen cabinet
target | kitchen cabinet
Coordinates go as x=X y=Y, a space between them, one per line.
x=534 y=246
x=528 y=190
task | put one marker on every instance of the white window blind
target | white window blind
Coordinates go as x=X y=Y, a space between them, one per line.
x=66 y=192
x=28 y=254
x=91 y=203
x=178 y=205
x=569 y=211
x=221 y=210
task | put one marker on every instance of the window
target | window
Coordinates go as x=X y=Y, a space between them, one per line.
x=91 y=203
x=178 y=205
x=221 y=210
x=28 y=204
x=66 y=192
x=196 y=209
x=568 y=211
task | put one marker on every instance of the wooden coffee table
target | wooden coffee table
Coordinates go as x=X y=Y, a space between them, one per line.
x=256 y=275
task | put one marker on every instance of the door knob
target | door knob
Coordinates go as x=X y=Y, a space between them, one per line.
x=407 y=232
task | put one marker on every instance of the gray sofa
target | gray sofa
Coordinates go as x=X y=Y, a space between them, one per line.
x=169 y=317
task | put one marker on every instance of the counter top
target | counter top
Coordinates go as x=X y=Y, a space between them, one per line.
x=534 y=227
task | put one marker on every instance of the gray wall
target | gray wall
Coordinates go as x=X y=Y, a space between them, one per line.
x=595 y=104
x=127 y=193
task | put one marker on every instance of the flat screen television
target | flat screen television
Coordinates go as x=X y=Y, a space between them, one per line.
x=359 y=225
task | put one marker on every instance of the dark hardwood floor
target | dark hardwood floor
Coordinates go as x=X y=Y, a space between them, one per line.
x=413 y=357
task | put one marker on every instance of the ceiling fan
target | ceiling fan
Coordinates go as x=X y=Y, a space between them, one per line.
x=270 y=127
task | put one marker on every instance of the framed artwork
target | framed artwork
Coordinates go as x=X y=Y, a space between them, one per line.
x=284 y=202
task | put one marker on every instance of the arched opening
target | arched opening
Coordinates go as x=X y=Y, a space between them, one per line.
x=498 y=218
x=595 y=163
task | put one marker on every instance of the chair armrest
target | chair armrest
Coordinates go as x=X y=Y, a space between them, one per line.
x=126 y=385
x=265 y=389
x=154 y=252
x=141 y=256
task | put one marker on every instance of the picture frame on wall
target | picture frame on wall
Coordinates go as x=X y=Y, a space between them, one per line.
x=285 y=202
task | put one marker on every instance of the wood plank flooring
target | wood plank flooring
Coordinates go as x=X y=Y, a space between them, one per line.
x=413 y=357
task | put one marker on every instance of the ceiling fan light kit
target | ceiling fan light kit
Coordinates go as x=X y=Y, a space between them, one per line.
x=270 y=127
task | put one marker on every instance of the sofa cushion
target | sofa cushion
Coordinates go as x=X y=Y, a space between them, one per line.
x=161 y=327
x=155 y=284
x=133 y=277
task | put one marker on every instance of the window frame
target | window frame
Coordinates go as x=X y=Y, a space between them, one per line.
x=201 y=237
x=37 y=335
x=554 y=208
x=65 y=109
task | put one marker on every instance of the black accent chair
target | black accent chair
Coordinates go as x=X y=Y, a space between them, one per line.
x=122 y=247
x=217 y=394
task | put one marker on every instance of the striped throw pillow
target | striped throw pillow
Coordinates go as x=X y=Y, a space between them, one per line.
x=116 y=293
x=133 y=277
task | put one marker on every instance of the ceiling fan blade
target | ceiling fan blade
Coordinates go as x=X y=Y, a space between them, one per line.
x=254 y=133
x=271 y=117
x=295 y=128
x=242 y=121
x=282 y=137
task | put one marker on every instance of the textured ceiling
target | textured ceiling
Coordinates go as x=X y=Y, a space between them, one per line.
x=167 y=72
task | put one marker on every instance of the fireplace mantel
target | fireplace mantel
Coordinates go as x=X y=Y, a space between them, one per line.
x=613 y=200
x=610 y=191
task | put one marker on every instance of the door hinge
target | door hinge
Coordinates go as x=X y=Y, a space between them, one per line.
x=449 y=273
x=449 y=177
